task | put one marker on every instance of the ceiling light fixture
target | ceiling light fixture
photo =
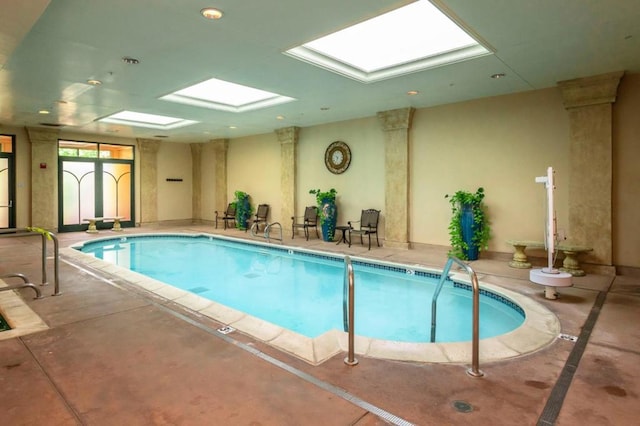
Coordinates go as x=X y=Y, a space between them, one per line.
x=280 y=117
x=94 y=82
x=498 y=75
x=412 y=92
x=211 y=13
x=43 y=111
x=130 y=61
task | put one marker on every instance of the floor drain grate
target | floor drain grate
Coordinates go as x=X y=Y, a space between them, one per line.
x=462 y=406
x=226 y=329
x=568 y=337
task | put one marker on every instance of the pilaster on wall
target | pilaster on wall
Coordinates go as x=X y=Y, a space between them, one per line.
x=196 y=177
x=396 y=124
x=220 y=147
x=148 y=179
x=44 y=189
x=589 y=104
x=288 y=138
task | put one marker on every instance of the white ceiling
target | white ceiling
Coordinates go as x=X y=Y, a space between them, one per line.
x=49 y=49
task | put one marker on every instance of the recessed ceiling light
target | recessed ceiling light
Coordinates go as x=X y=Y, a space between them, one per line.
x=226 y=96
x=211 y=13
x=232 y=127
x=94 y=82
x=43 y=111
x=280 y=117
x=130 y=61
x=412 y=92
x=369 y=51
x=498 y=75
x=151 y=121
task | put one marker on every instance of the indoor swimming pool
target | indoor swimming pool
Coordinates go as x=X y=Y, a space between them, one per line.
x=303 y=291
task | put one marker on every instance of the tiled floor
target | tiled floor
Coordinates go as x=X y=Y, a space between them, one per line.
x=114 y=355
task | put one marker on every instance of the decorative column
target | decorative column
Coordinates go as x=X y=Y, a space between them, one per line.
x=196 y=178
x=44 y=177
x=396 y=124
x=220 y=147
x=288 y=138
x=148 y=180
x=589 y=104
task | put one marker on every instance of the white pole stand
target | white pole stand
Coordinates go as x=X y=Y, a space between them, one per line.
x=550 y=277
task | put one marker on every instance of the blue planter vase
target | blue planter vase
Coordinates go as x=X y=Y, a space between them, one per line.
x=468 y=229
x=329 y=217
x=243 y=213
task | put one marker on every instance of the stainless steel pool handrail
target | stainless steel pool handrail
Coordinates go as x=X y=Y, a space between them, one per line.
x=348 y=312
x=474 y=371
x=267 y=231
x=25 y=284
x=26 y=232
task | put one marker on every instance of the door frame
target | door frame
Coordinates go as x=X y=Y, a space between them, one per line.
x=98 y=191
x=11 y=157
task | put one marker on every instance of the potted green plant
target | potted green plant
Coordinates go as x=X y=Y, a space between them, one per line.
x=243 y=209
x=469 y=229
x=326 y=202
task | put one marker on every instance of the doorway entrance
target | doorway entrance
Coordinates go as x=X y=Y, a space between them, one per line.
x=95 y=181
x=7 y=181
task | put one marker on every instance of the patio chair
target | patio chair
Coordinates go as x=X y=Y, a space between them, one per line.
x=261 y=216
x=310 y=220
x=227 y=216
x=368 y=226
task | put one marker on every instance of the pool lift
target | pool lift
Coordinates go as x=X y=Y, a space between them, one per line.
x=549 y=276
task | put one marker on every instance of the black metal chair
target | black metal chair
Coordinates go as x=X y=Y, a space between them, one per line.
x=227 y=216
x=368 y=226
x=261 y=216
x=310 y=220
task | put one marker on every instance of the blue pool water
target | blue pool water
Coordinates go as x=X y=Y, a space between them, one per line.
x=303 y=291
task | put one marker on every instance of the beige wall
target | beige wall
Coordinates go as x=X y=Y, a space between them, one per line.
x=361 y=186
x=626 y=173
x=174 y=198
x=253 y=166
x=499 y=143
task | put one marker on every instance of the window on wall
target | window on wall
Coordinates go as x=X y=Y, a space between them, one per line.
x=94 y=150
x=95 y=181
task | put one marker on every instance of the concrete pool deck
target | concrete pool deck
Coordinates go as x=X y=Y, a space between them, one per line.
x=116 y=355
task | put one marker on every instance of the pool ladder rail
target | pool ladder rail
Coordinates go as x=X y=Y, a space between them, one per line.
x=45 y=235
x=474 y=371
x=267 y=231
x=348 y=306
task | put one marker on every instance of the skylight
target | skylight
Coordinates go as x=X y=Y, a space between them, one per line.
x=409 y=39
x=140 y=119
x=226 y=96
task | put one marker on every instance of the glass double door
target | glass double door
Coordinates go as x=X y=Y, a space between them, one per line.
x=95 y=188
x=7 y=182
